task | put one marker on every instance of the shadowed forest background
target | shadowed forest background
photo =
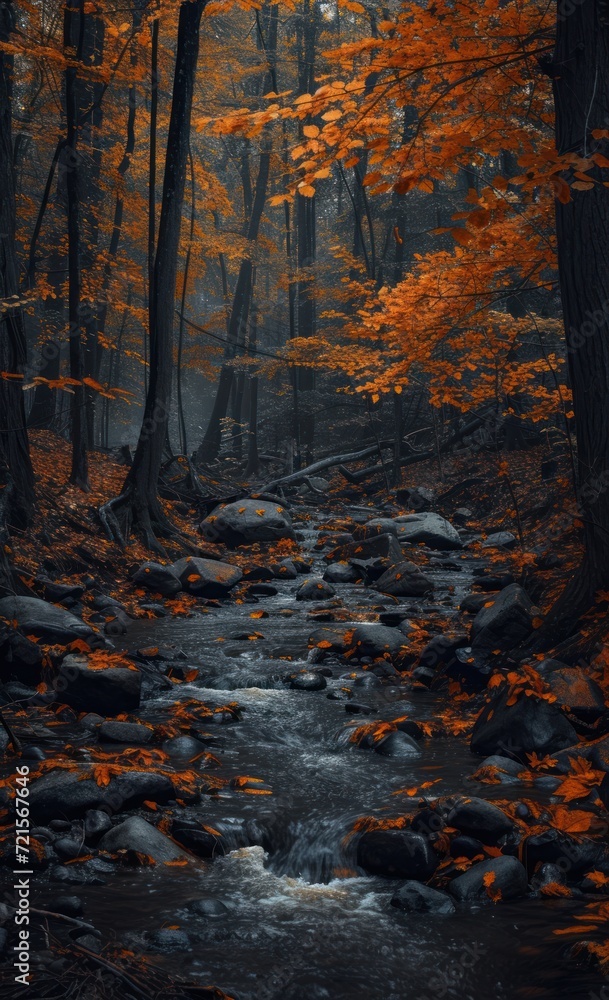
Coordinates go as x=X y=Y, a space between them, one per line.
x=305 y=305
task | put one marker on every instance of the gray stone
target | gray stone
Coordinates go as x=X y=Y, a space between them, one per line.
x=136 y=834
x=133 y=733
x=404 y=580
x=432 y=530
x=415 y=897
x=246 y=522
x=45 y=621
x=157 y=578
x=206 y=577
x=506 y=622
x=109 y=691
x=509 y=878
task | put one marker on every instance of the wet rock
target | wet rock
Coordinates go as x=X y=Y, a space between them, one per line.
x=132 y=733
x=70 y=906
x=71 y=794
x=167 y=941
x=196 y=839
x=398 y=744
x=491 y=581
x=46 y=622
x=356 y=708
x=505 y=764
x=206 y=577
x=397 y=854
x=576 y=692
x=157 y=578
x=547 y=874
x=375 y=640
x=20 y=658
x=109 y=691
x=341 y=573
x=186 y=747
x=463 y=846
x=474 y=603
x=478 y=818
x=260 y=574
x=308 y=680
x=404 y=580
x=210 y=908
x=90 y=942
x=377 y=526
x=136 y=834
x=414 y=897
x=429 y=529
x=68 y=849
x=410 y=727
x=506 y=622
x=284 y=570
x=573 y=857
x=384 y=547
x=97 y=822
x=462 y=515
x=500 y=540
x=246 y=522
x=156 y=609
x=530 y=725
x=509 y=877
x=314 y=589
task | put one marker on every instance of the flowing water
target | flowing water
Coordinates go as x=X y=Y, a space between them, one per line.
x=301 y=923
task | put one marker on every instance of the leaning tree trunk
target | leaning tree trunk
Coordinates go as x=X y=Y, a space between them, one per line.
x=16 y=477
x=139 y=501
x=580 y=72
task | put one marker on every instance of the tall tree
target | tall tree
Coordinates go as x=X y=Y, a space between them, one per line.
x=139 y=502
x=16 y=477
x=210 y=446
x=580 y=72
x=74 y=24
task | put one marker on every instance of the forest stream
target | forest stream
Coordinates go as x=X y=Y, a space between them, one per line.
x=283 y=911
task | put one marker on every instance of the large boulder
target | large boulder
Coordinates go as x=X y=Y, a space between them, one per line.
x=109 y=691
x=206 y=577
x=430 y=529
x=506 y=622
x=496 y=879
x=136 y=834
x=246 y=522
x=341 y=573
x=530 y=725
x=157 y=578
x=46 y=622
x=64 y=794
x=404 y=580
x=397 y=854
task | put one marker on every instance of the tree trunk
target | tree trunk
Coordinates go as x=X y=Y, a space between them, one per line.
x=210 y=446
x=140 y=499
x=16 y=477
x=73 y=39
x=580 y=71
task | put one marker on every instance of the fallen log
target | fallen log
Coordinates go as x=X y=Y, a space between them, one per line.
x=325 y=463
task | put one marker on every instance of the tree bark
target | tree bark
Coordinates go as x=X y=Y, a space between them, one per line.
x=210 y=446
x=73 y=39
x=16 y=476
x=580 y=71
x=139 y=500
